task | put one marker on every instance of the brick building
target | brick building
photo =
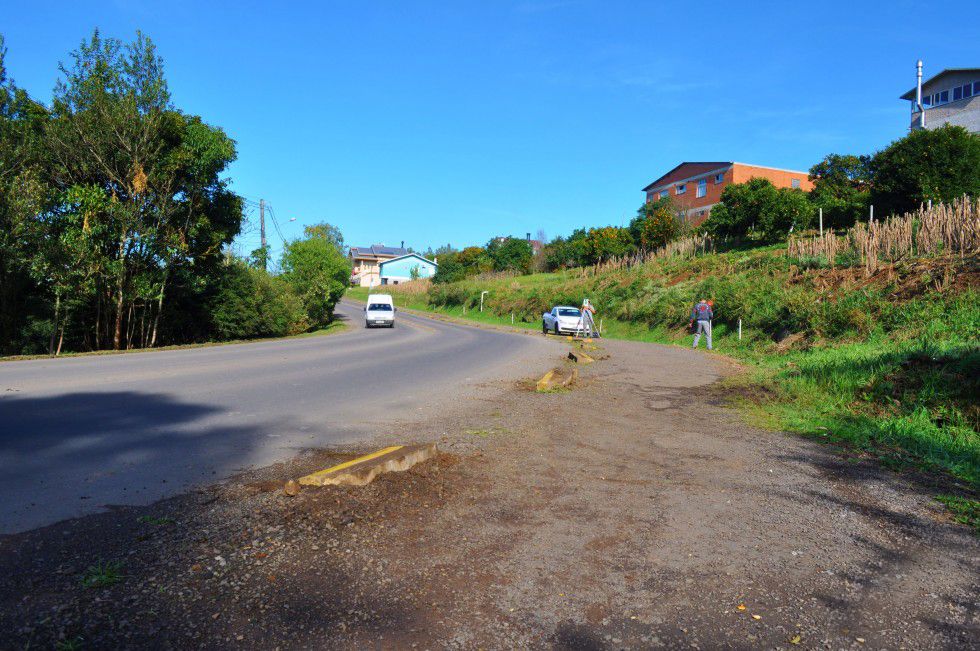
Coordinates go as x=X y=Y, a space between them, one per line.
x=695 y=187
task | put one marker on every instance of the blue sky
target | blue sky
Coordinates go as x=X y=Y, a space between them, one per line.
x=436 y=122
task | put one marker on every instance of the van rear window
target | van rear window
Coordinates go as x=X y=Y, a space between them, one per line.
x=379 y=307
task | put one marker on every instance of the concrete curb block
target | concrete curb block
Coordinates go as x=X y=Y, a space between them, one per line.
x=362 y=470
x=571 y=379
x=545 y=382
x=580 y=358
x=554 y=378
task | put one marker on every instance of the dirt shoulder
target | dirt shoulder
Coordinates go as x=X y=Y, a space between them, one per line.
x=634 y=511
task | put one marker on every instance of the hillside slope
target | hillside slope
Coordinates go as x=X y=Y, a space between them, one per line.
x=885 y=363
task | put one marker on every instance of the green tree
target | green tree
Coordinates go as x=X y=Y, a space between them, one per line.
x=457 y=265
x=936 y=164
x=510 y=254
x=249 y=303
x=328 y=232
x=758 y=210
x=656 y=223
x=841 y=188
x=114 y=128
x=23 y=191
x=607 y=242
x=318 y=272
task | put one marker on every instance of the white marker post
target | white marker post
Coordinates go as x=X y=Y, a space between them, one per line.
x=482 y=294
x=740 y=330
x=821 y=222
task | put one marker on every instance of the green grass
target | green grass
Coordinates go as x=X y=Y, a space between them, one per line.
x=102 y=575
x=965 y=511
x=886 y=366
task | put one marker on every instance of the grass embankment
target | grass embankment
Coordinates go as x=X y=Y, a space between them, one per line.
x=331 y=328
x=887 y=364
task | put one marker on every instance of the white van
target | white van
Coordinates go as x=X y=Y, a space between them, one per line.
x=379 y=311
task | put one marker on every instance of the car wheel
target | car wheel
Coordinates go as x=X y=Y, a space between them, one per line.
x=544 y=328
x=556 y=330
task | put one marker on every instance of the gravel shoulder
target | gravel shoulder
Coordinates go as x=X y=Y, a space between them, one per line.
x=634 y=511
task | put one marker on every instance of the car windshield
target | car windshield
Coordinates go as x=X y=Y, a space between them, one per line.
x=568 y=311
x=379 y=307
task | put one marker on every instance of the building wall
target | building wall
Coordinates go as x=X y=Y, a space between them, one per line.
x=367 y=272
x=779 y=178
x=697 y=209
x=402 y=269
x=963 y=112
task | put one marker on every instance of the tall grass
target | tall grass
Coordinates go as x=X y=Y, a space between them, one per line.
x=952 y=230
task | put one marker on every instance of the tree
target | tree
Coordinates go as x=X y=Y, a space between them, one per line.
x=115 y=131
x=250 y=302
x=938 y=165
x=656 y=223
x=841 y=188
x=455 y=266
x=510 y=254
x=760 y=211
x=318 y=272
x=328 y=232
x=607 y=242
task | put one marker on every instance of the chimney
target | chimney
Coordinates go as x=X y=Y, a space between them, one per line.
x=528 y=237
x=918 y=94
x=403 y=244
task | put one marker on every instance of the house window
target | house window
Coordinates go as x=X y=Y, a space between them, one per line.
x=682 y=188
x=957 y=93
x=976 y=88
x=967 y=90
x=664 y=194
x=702 y=187
x=795 y=183
x=944 y=97
x=926 y=101
x=719 y=178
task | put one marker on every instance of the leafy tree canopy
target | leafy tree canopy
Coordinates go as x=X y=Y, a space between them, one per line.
x=760 y=211
x=841 y=188
x=928 y=164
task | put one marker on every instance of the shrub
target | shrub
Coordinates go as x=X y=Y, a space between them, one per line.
x=251 y=303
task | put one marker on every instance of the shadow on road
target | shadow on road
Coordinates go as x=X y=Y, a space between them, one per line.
x=65 y=455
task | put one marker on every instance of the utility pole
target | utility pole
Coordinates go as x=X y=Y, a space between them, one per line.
x=265 y=253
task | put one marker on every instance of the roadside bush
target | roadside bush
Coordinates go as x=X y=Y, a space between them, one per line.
x=250 y=303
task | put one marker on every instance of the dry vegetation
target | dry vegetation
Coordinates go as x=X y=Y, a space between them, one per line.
x=939 y=230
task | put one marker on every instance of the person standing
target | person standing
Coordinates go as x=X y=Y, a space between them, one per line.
x=702 y=314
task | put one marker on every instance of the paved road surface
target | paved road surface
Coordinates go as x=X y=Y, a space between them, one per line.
x=79 y=434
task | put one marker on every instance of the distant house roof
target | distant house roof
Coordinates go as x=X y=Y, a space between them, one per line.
x=687 y=169
x=376 y=251
x=948 y=71
x=410 y=255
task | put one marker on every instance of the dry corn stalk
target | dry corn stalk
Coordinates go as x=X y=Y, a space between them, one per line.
x=941 y=229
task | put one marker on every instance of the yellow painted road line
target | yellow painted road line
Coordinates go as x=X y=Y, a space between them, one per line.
x=348 y=464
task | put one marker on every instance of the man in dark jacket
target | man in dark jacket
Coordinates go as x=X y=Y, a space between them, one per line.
x=702 y=314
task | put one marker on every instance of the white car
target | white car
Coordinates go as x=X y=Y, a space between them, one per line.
x=561 y=319
x=379 y=311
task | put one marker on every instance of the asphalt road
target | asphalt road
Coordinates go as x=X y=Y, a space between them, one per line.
x=82 y=434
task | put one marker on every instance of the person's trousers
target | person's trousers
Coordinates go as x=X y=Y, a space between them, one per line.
x=703 y=327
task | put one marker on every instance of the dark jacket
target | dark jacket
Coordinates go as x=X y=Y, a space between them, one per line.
x=702 y=312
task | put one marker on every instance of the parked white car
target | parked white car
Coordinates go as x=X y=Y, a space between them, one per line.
x=379 y=311
x=561 y=319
